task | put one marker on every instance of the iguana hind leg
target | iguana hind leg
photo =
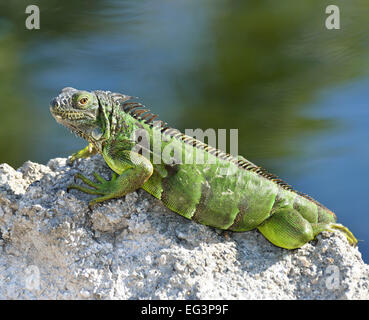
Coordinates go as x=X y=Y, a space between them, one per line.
x=288 y=229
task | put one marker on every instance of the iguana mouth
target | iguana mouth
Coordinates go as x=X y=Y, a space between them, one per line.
x=61 y=114
x=67 y=115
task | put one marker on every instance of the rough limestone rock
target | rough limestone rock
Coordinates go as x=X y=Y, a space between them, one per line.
x=53 y=247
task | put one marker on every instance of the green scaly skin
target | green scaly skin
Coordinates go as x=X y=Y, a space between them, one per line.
x=243 y=200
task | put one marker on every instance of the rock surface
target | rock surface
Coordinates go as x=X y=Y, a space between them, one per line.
x=53 y=247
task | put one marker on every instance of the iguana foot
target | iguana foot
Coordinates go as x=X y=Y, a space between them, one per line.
x=350 y=237
x=333 y=227
x=108 y=189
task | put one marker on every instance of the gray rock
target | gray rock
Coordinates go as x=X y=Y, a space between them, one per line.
x=54 y=247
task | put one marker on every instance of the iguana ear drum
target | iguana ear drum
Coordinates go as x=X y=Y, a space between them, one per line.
x=96 y=133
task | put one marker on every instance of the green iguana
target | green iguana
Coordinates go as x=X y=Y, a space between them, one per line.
x=223 y=191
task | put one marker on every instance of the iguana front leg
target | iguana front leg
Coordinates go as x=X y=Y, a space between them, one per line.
x=133 y=169
x=84 y=153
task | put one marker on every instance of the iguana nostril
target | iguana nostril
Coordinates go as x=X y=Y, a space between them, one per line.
x=55 y=103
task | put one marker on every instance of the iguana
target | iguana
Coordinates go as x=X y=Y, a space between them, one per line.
x=223 y=191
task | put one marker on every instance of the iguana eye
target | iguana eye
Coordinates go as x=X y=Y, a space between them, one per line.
x=83 y=101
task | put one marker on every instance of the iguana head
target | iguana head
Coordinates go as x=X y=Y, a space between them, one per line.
x=77 y=110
